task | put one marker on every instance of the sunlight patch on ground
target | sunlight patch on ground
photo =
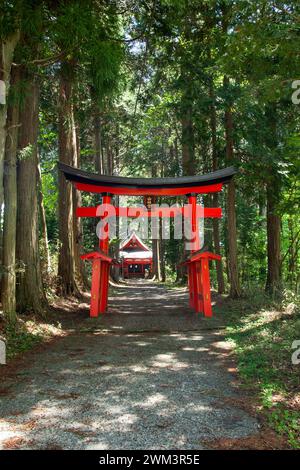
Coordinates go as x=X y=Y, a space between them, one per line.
x=137 y=368
x=167 y=361
x=154 y=400
x=226 y=345
x=97 y=446
x=183 y=337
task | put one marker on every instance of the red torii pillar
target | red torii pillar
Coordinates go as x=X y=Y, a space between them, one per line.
x=104 y=245
x=198 y=267
x=199 y=281
x=99 y=287
x=194 y=277
x=100 y=269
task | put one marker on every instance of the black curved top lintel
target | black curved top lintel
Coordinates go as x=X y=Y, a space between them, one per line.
x=80 y=176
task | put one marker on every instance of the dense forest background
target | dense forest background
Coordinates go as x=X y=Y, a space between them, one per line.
x=148 y=88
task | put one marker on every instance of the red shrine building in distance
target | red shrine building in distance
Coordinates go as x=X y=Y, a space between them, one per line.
x=136 y=258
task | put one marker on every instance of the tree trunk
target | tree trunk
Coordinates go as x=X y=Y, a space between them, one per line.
x=273 y=188
x=188 y=144
x=109 y=156
x=116 y=269
x=45 y=253
x=273 y=240
x=231 y=209
x=116 y=151
x=156 y=250
x=6 y=57
x=67 y=154
x=155 y=241
x=162 y=252
x=98 y=144
x=156 y=266
x=232 y=243
x=217 y=248
x=215 y=198
x=77 y=224
x=30 y=293
x=10 y=208
x=292 y=252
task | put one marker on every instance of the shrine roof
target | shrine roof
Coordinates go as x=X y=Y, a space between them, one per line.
x=134 y=242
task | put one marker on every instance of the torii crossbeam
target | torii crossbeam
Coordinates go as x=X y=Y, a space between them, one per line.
x=197 y=263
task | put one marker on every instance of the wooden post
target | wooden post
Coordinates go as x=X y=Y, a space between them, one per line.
x=190 y=284
x=207 y=310
x=104 y=282
x=194 y=284
x=96 y=279
x=104 y=277
x=193 y=274
x=199 y=281
x=104 y=242
x=192 y=199
x=99 y=289
x=199 y=288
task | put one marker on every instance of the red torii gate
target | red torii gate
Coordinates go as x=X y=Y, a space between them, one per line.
x=197 y=263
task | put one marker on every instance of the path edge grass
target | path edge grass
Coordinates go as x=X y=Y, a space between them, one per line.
x=261 y=331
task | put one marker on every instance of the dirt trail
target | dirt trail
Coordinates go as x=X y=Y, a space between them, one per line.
x=148 y=375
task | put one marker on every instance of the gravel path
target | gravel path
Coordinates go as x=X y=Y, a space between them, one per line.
x=149 y=375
